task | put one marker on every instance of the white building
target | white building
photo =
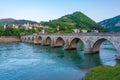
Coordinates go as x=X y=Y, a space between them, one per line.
x=5 y=26
x=15 y=26
x=26 y=25
x=43 y=31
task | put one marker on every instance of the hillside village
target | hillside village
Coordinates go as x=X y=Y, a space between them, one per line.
x=72 y=23
x=35 y=26
x=26 y=26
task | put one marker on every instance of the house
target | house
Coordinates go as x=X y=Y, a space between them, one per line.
x=15 y=26
x=44 y=27
x=26 y=25
x=5 y=26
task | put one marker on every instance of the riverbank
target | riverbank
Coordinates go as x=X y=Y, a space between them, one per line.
x=5 y=39
x=104 y=73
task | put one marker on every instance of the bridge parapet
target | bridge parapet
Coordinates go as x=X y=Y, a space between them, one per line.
x=83 y=34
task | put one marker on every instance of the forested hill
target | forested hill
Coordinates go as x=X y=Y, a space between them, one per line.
x=14 y=21
x=72 y=21
x=6 y=20
x=112 y=24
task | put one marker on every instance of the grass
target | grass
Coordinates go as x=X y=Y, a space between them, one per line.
x=103 y=73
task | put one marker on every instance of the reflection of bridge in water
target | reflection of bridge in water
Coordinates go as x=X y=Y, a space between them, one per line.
x=91 y=41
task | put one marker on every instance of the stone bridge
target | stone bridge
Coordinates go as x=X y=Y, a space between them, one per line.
x=91 y=41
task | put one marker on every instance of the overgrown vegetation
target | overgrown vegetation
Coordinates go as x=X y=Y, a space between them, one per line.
x=104 y=73
x=9 y=31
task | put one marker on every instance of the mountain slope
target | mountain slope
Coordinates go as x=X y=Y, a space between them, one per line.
x=14 y=21
x=23 y=22
x=72 y=21
x=6 y=20
x=112 y=24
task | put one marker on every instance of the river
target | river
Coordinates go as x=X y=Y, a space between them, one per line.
x=22 y=61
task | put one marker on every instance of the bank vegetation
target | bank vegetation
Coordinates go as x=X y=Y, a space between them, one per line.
x=104 y=73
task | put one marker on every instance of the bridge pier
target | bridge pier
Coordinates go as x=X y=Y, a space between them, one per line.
x=31 y=42
x=117 y=57
x=88 y=50
x=56 y=45
x=44 y=43
x=36 y=41
x=66 y=46
x=118 y=53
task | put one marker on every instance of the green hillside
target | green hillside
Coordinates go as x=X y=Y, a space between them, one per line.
x=76 y=20
x=112 y=24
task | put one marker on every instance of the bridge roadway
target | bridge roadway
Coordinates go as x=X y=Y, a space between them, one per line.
x=91 y=41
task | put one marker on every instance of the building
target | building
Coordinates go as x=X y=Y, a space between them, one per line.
x=26 y=26
x=15 y=26
x=36 y=25
x=43 y=31
x=5 y=26
x=44 y=27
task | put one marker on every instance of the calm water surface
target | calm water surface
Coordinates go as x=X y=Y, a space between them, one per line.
x=22 y=61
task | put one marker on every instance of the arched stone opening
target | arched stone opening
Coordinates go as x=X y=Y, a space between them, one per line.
x=29 y=40
x=98 y=44
x=107 y=51
x=59 y=42
x=76 y=43
x=24 y=39
x=39 y=40
x=32 y=40
x=48 y=41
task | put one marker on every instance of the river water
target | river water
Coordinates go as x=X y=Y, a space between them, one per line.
x=22 y=61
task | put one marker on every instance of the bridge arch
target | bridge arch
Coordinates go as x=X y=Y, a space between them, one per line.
x=28 y=39
x=24 y=39
x=75 y=42
x=48 y=41
x=39 y=39
x=97 y=44
x=32 y=39
x=60 y=41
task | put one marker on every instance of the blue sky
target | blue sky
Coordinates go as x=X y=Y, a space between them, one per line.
x=44 y=10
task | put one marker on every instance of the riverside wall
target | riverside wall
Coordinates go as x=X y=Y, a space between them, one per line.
x=6 y=39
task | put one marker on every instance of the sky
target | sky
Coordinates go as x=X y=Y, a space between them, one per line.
x=45 y=10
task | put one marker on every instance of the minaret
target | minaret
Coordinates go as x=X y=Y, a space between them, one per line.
x=4 y=26
x=28 y=24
